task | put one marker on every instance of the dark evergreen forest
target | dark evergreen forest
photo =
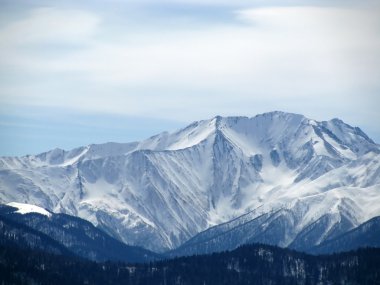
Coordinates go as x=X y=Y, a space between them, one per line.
x=250 y=264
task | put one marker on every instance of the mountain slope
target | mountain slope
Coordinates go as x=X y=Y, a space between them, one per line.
x=61 y=233
x=161 y=192
x=21 y=236
x=365 y=235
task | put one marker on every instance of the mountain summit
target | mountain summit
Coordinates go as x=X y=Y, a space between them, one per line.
x=320 y=179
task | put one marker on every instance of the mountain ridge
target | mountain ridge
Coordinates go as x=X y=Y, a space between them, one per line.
x=63 y=234
x=164 y=190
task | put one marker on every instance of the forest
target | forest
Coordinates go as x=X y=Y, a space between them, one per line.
x=249 y=264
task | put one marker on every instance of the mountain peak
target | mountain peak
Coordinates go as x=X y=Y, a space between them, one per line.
x=163 y=190
x=271 y=114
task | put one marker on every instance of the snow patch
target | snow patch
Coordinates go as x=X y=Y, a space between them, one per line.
x=27 y=208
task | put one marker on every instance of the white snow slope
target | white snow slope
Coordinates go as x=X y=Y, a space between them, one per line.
x=23 y=208
x=160 y=192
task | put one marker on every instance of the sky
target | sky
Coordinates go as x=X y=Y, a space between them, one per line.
x=74 y=73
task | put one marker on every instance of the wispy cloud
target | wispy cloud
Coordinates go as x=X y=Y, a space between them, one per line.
x=50 y=25
x=171 y=62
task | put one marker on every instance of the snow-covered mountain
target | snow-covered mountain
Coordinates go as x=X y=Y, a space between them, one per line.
x=365 y=235
x=162 y=191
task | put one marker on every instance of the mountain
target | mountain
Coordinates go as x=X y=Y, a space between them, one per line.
x=318 y=179
x=274 y=228
x=365 y=235
x=21 y=236
x=254 y=263
x=26 y=225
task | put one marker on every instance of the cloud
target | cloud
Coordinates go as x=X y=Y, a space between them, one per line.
x=50 y=25
x=181 y=60
x=269 y=56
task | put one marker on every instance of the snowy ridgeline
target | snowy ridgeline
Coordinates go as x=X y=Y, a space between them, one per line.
x=298 y=181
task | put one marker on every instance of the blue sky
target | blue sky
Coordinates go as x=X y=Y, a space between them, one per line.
x=79 y=72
